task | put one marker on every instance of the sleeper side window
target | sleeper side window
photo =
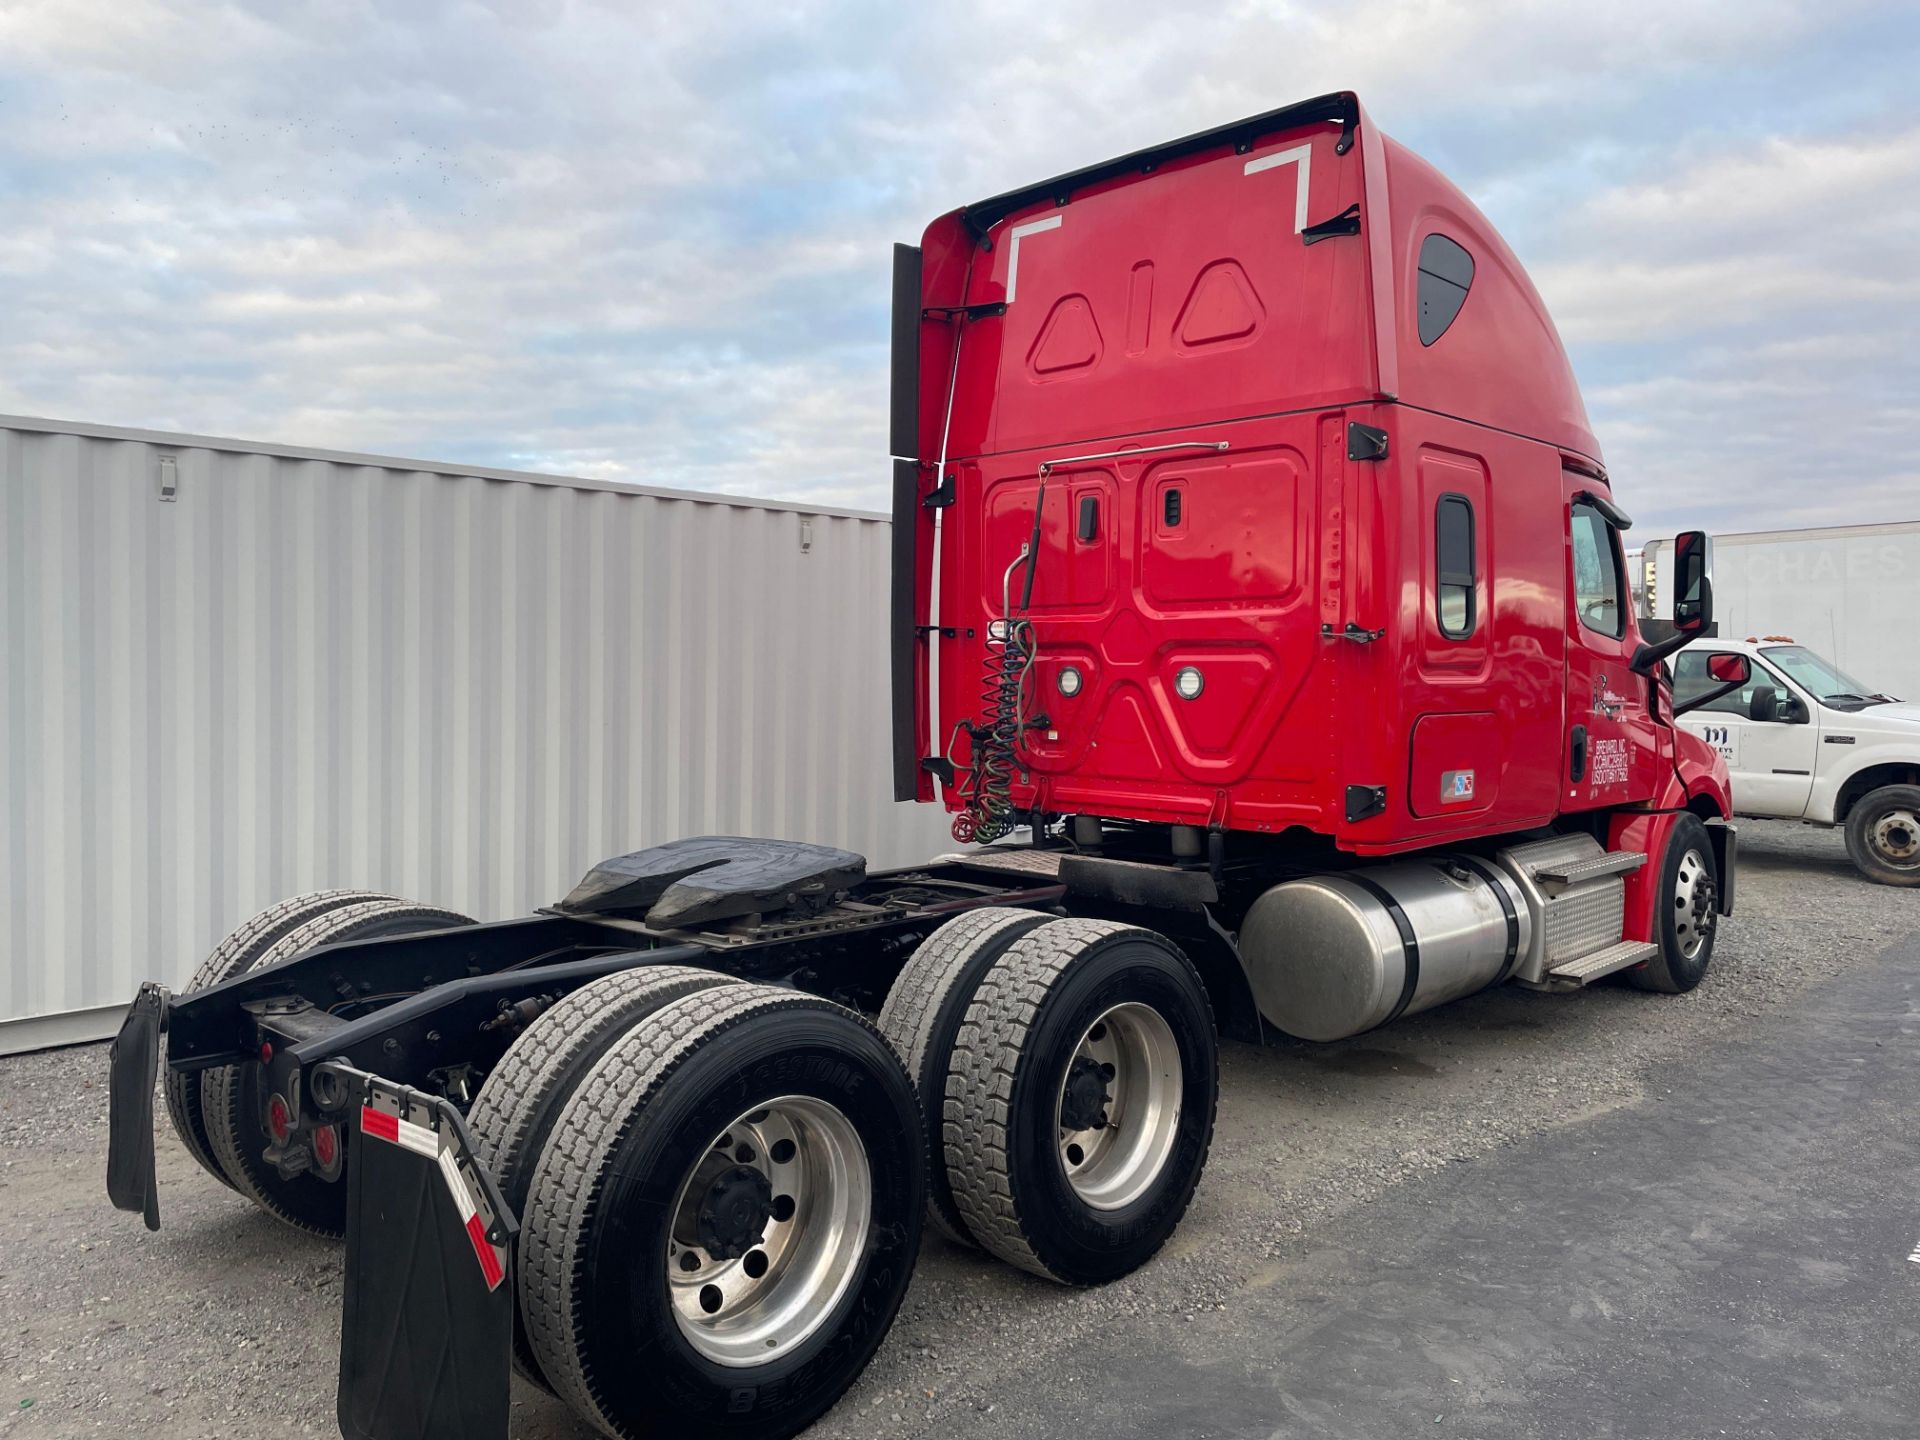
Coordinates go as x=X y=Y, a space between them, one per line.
x=1446 y=274
x=1596 y=574
x=1453 y=567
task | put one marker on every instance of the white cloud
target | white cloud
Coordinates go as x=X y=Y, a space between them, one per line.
x=651 y=243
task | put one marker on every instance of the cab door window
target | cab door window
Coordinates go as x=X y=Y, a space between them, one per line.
x=1691 y=678
x=1597 y=591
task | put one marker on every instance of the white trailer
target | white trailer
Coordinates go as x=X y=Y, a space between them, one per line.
x=1850 y=592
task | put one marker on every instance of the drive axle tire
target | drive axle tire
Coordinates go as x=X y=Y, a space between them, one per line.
x=1080 y=1100
x=723 y=1222
x=1684 y=914
x=1883 y=834
x=236 y=955
x=232 y=1099
x=922 y=1016
x=515 y=1111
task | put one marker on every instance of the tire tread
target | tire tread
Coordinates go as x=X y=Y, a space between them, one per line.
x=236 y=955
x=572 y=1171
x=220 y=1092
x=912 y=1013
x=986 y=1056
x=552 y=1056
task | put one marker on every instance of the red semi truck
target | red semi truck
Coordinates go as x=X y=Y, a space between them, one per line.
x=1258 y=587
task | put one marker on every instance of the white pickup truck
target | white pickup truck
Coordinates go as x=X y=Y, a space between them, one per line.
x=1804 y=741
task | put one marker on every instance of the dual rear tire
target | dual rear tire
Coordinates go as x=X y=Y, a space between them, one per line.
x=728 y=1179
x=732 y=1190
x=220 y=1113
x=1069 y=1072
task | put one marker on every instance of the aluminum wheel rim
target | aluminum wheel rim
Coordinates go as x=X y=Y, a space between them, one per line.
x=749 y=1308
x=1114 y=1161
x=1689 y=915
x=1896 y=838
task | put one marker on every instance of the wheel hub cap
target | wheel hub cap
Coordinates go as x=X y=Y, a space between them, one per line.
x=769 y=1230
x=1693 y=913
x=1119 y=1107
x=1896 y=835
x=739 y=1204
x=1084 y=1106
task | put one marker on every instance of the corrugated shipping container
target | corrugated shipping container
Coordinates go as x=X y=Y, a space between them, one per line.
x=463 y=686
x=1849 y=592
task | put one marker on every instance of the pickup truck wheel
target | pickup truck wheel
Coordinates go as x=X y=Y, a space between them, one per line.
x=515 y=1110
x=236 y=955
x=1080 y=1100
x=1684 y=916
x=723 y=1223
x=1883 y=834
x=922 y=1015
x=233 y=1100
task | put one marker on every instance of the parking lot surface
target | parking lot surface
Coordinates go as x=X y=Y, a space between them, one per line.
x=1605 y=1214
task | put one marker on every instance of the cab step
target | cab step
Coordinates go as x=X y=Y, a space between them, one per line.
x=1574 y=974
x=1563 y=875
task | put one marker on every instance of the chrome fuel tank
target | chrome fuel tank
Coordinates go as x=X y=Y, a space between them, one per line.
x=1331 y=955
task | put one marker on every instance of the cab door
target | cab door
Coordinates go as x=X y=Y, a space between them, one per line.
x=1612 y=751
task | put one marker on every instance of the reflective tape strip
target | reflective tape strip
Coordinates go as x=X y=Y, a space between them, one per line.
x=404 y=1133
x=457 y=1185
x=423 y=1141
x=492 y=1266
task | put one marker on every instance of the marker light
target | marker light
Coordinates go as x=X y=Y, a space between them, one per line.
x=1069 y=681
x=1189 y=682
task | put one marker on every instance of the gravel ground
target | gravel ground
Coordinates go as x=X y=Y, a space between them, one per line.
x=225 y=1324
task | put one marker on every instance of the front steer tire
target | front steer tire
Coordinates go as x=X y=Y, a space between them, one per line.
x=922 y=1016
x=1883 y=835
x=515 y=1111
x=608 y=1192
x=1012 y=1076
x=1685 y=918
x=231 y=1098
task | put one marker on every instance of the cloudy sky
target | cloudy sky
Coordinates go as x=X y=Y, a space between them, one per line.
x=650 y=242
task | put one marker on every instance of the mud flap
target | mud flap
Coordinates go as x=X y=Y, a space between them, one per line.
x=426 y=1332
x=133 y=1065
x=1725 y=839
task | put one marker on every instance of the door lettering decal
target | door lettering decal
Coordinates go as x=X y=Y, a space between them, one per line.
x=1609 y=763
x=1725 y=739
